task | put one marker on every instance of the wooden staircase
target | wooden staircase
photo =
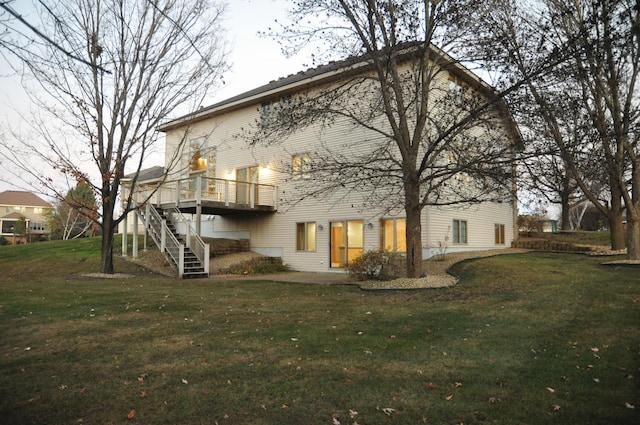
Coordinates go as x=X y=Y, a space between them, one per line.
x=180 y=249
x=193 y=267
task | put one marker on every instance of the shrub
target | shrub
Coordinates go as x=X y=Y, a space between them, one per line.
x=370 y=265
x=266 y=265
x=3 y=241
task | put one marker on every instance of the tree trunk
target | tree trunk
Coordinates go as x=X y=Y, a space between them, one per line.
x=414 y=229
x=633 y=216
x=565 y=219
x=106 y=264
x=615 y=221
x=633 y=237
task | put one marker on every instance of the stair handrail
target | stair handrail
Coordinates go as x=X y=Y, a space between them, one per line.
x=165 y=240
x=199 y=247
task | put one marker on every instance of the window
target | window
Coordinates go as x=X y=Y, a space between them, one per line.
x=277 y=112
x=37 y=210
x=36 y=226
x=198 y=160
x=456 y=91
x=499 y=234
x=460 y=231
x=393 y=235
x=7 y=226
x=306 y=236
x=301 y=166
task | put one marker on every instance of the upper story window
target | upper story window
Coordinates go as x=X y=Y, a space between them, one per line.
x=197 y=155
x=301 y=166
x=456 y=91
x=276 y=112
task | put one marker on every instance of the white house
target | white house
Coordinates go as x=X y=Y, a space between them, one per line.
x=249 y=192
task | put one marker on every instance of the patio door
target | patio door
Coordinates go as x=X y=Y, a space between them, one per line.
x=346 y=241
x=244 y=178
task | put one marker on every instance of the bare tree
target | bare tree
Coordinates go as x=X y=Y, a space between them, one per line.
x=75 y=216
x=597 y=80
x=142 y=62
x=424 y=139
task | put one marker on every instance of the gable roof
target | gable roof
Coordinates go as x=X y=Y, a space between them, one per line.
x=335 y=69
x=13 y=216
x=323 y=73
x=152 y=173
x=23 y=199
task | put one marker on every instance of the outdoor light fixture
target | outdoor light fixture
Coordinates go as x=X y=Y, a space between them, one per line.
x=320 y=227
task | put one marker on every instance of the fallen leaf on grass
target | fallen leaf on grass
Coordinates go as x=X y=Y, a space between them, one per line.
x=184 y=381
x=431 y=386
x=143 y=393
x=336 y=420
x=556 y=407
x=494 y=400
x=449 y=397
x=388 y=411
x=131 y=414
x=352 y=413
x=551 y=390
x=629 y=405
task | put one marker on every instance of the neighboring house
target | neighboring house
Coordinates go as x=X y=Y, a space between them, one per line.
x=16 y=204
x=249 y=197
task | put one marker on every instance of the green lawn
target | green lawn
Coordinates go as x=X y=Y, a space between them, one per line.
x=522 y=339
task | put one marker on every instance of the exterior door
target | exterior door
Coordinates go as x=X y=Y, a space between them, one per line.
x=244 y=178
x=346 y=241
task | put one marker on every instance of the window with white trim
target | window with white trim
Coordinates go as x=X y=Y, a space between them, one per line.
x=459 y=231
x=499 y=234
x=301 y=166
x=393 y=234
x=306 y=236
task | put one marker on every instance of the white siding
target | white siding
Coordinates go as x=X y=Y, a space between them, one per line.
x=275 y=234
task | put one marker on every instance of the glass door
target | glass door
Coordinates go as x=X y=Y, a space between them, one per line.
x=244 y=178
x=346 y=241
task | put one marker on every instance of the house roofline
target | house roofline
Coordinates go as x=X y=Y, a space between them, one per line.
x=335 y=69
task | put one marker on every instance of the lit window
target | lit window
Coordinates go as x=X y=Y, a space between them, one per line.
x=460 y=231
x=301 y=166
x=198 y=160
x=499 y=234
x=393 y=235
x=306 y=236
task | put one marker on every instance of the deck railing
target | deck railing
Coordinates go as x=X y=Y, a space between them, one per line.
x=198 y=189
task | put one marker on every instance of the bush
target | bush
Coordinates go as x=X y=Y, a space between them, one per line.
x=370 y=265
x=3 y=241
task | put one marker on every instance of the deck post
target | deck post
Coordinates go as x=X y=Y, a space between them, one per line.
x=134 y=244
x=198 y=204
x=188 y=233
x=275 y=197
x=124 y=235
x=181 y=261
x=226 y=193
x=252 y=195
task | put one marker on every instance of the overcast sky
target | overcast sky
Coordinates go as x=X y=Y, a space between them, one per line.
x=255 y=61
